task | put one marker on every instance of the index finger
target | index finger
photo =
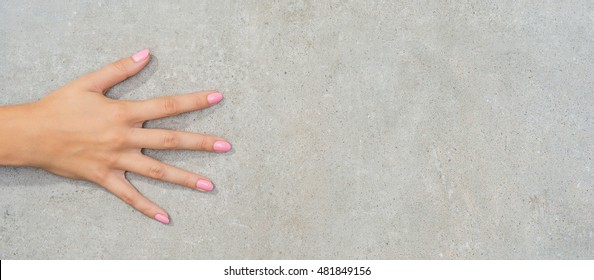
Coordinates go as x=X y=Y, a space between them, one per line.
x=167 y=106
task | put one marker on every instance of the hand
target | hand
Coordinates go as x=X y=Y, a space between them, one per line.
x=79 y=133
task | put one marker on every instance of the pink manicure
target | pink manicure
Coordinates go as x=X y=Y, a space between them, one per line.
x=214 y=98
x=221 y=146
x=162 y=218
x=204 y=185
x=141 y=55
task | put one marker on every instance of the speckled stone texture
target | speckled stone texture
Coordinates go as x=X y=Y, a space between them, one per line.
x=361 y=129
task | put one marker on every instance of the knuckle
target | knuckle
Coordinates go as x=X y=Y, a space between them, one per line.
x=115 y=138
x=200 y=102
x=119 y=68
x=156 y=172
x=112 y=160
x=128 y=198
x=170 y=106
x=202 y=143
x=171 y=141
x=100 y=175
x=189 y=181
x=120 y=113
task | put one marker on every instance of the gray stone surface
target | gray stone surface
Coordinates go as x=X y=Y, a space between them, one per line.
x=386 y=129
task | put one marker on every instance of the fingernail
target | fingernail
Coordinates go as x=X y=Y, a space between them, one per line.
x=214 y=98
x=162 y=218
x=141 y=55
x=204 y=185
x=221 y=146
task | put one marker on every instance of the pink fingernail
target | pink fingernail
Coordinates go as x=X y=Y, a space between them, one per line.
x=204 y=185
x=141 y=55
x=162 y=218
x=221 y=146
x=214 y=98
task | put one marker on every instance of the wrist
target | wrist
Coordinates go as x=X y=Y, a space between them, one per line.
x=17 y=140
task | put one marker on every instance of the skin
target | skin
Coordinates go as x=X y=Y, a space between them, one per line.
x=77 y=132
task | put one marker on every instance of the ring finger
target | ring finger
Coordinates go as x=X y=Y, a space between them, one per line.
x=176 y=140
x=152 y=168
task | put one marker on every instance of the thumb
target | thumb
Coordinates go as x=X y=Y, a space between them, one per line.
x=114 y=73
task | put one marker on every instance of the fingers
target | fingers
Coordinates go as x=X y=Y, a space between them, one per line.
x=176 y=140
x=173 y=105
x=122 y=188
x=152 y=168
x=112 y=74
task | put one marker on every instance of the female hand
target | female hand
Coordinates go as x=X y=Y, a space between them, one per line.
x=79 y=133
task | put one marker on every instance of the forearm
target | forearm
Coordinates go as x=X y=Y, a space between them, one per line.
x=16 y=138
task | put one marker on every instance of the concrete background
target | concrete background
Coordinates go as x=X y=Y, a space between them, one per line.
x=386 y=129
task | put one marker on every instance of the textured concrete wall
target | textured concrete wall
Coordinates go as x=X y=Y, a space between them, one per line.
x=385 y=129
